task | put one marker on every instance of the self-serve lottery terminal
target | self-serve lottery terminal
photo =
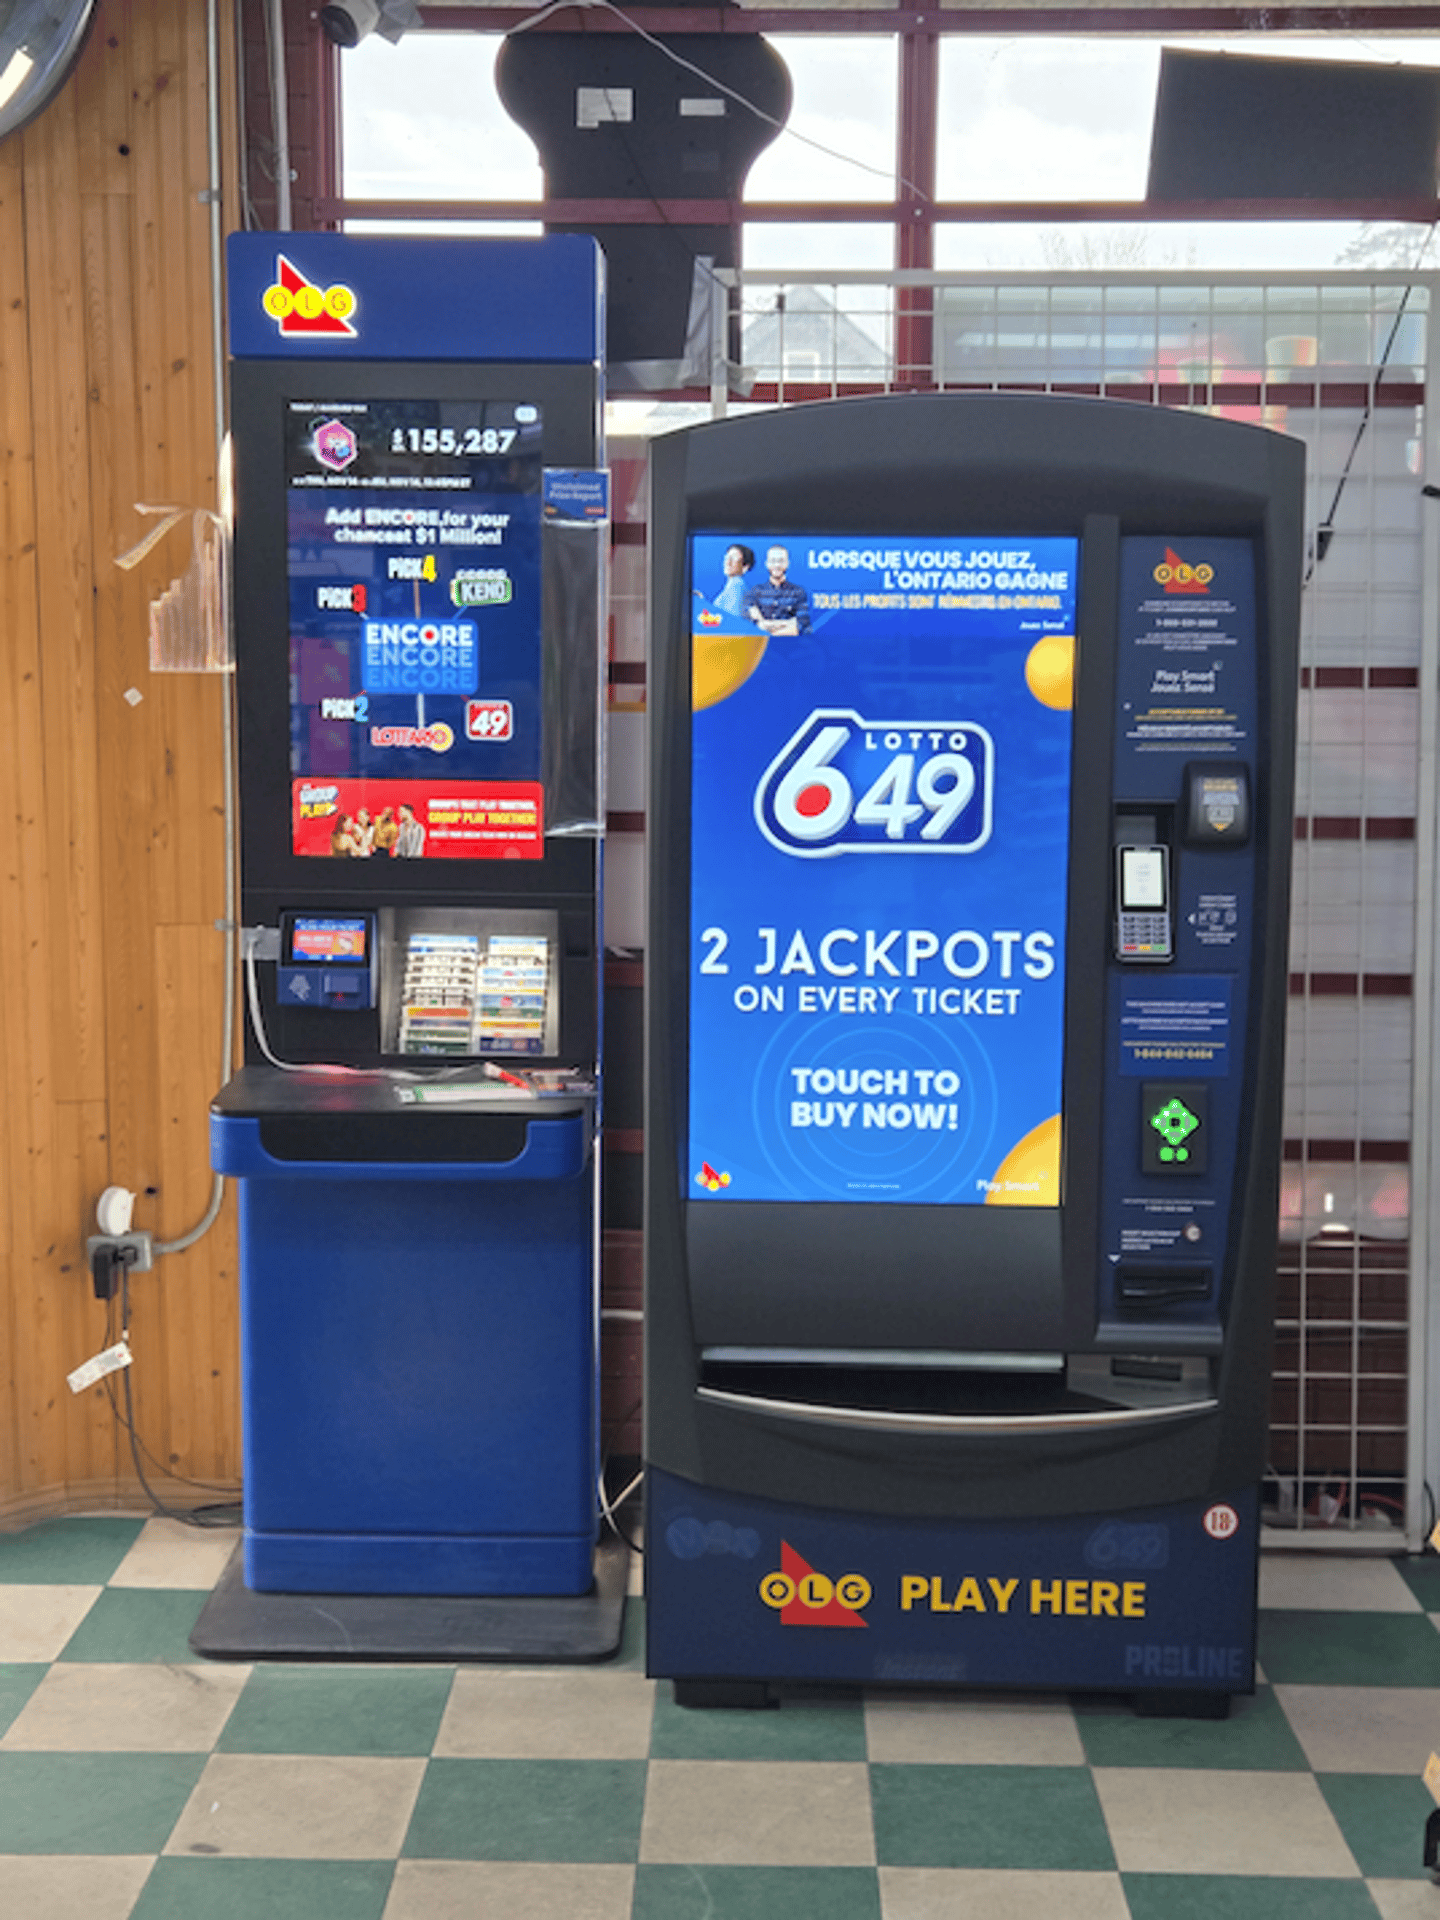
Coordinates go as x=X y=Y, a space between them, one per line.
x=971 y=763
x=420 y=622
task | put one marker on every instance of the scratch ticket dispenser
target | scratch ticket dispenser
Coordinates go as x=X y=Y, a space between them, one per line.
x=971 y=763
x=419 y=571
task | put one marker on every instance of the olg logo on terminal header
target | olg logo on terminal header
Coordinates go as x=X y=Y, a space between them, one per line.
x=842 y=784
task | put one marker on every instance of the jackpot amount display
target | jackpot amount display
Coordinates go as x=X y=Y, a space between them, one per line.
x=413 y=574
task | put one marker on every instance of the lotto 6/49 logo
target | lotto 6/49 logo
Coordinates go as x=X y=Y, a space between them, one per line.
x=841 y=784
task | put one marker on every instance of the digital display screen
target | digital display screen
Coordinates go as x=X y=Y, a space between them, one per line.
x=879 y=847
x=338 y=939
x=1142 y=879
x=413 y=575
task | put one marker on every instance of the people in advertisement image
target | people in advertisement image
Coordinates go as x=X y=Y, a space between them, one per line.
x=387 y=831
x=779 y=605
x=437 y=819
x=738 y=561
x=410 y=836
x=344 y=838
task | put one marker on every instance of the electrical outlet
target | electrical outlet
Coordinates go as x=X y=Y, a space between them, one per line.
x=106 y=1254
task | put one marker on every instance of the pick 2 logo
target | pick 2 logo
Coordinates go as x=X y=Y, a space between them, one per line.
x=923 y=786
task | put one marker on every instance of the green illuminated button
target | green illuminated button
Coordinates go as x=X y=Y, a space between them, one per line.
x=1174 y=1127
x=1174 y=1123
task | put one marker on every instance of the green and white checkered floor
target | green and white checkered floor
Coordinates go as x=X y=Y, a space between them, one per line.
x=137 y=1783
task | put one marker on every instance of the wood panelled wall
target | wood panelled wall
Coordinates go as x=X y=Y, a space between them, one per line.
x=111 y=877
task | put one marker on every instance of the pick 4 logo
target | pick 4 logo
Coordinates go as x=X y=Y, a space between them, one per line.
x=299 y=307
x=841 y=784
x=1178 y=576
x=804 y=1598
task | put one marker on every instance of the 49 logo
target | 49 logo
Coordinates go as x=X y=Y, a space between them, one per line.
x=842 y=784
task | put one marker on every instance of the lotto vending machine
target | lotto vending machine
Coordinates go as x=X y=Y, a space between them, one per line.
x=971 y=763
x=419 y=570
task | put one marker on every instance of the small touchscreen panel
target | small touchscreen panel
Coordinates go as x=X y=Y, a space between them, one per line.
x=1142 y=879
x=329 y=940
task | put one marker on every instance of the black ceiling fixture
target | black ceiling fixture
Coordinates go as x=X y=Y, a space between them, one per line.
x=620 y=117
x=1238 y=127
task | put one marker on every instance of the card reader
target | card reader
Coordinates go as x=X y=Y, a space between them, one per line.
x=1142 y=903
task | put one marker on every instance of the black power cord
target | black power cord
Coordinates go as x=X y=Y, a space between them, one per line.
x=1325 y=531
x=226 y=1513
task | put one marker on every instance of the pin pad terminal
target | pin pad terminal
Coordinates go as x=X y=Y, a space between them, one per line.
x=1143 y=922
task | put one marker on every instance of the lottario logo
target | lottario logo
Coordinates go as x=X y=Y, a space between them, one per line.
x=841 y=784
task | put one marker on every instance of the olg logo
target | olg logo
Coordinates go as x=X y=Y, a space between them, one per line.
x=841 y=784
x=1178 y=576
x=804 y=1598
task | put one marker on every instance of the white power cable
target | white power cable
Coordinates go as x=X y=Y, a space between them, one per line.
x=257 y=1019
x=609 y=1508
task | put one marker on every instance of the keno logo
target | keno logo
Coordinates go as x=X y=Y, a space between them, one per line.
x=841 y=784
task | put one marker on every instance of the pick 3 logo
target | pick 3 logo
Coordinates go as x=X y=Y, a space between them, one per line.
x=842 y=784
x=804 y=1598
x=1178 y=576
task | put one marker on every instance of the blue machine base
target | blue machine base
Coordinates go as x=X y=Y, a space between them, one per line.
x=416 y=1564
x=1161 y=1600
x=418 y=1367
